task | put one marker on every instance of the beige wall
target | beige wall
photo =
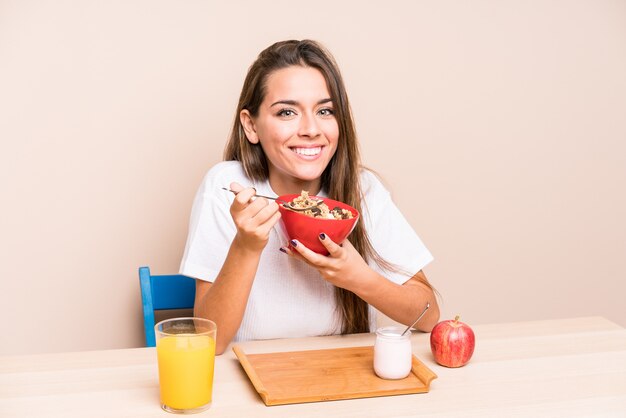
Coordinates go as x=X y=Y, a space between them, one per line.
x=499 y=125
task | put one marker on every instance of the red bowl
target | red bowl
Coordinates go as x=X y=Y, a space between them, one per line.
x=307 y=229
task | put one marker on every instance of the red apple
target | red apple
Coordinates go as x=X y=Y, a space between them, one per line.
x=452 y=343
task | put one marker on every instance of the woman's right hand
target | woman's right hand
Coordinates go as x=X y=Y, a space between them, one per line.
x=254 y=218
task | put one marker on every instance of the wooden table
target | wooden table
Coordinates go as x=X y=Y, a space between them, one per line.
x=557 y=368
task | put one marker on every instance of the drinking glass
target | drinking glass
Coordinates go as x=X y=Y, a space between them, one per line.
x=186 y=356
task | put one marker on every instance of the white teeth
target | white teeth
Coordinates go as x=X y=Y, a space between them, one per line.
x=308 y=151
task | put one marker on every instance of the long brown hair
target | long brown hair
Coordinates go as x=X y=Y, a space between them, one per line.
x=340 y=178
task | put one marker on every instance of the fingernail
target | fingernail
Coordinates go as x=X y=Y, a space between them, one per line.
x=294 y=243
x=322 y=236
x=283 y=250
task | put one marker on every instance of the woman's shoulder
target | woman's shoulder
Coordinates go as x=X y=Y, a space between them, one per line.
x=227 y=168
x=226 y=172
x=376 y=197
x=372 y=183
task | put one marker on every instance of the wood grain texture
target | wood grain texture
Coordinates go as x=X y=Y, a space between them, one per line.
x=570 y=367
x=323 y=375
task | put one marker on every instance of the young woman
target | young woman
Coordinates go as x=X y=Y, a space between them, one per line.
x=293 y=131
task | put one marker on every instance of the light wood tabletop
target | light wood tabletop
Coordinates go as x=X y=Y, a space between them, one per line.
x=555 y=368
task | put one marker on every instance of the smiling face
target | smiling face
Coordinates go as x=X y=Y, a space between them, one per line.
x=296 y=128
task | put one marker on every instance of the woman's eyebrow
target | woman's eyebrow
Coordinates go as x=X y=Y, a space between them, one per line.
x=294 y=102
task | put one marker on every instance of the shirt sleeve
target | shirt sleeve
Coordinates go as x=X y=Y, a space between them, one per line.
x=211 y=231
x=391 y=235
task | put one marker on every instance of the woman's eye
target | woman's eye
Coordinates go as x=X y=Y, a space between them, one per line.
x=286 y=113
x=326 y=111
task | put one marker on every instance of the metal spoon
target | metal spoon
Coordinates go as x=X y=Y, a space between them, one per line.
x=288 y=205
x=418 y=318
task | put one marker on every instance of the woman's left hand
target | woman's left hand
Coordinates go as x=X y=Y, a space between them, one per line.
x=342 y=267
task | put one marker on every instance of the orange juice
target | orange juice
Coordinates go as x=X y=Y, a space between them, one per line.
x=186 y=370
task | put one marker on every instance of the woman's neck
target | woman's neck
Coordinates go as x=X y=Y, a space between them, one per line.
x=296 y=186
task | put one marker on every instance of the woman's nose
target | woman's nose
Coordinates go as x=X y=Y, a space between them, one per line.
x=308 y=126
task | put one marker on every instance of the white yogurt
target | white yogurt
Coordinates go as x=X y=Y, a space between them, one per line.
x=392 y=353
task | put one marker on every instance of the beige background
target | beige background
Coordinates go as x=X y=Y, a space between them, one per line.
x=499 y=125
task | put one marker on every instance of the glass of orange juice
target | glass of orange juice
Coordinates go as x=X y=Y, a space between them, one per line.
x=186 y=355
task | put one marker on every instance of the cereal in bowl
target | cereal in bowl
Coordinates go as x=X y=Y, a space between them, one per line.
x=316 y=209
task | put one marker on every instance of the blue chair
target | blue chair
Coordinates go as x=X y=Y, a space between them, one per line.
x=160 y=294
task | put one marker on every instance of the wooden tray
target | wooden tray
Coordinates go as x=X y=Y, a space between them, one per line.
x=324 y=375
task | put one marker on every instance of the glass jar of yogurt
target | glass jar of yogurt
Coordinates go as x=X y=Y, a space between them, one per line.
x=393 y=356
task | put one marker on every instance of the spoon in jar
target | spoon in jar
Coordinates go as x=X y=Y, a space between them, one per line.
x=288 y=205
x=418 y=318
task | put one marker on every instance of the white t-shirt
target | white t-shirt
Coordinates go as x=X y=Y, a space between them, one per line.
x=288 y=297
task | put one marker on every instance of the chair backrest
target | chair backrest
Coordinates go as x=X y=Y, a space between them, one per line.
x=165 y=292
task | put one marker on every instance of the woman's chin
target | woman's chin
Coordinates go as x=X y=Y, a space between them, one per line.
x=309 y=176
